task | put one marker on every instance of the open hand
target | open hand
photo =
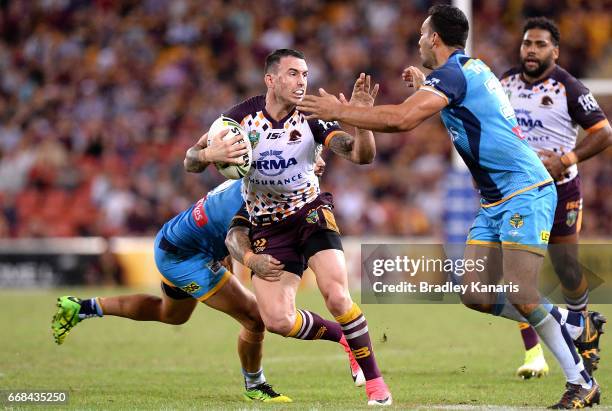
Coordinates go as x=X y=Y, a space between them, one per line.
x=363 y=94
x=266 y=267
x=323 y=107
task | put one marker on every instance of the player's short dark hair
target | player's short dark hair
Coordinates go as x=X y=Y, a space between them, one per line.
x=450 y=23
x=275 y=57
x=543 y=23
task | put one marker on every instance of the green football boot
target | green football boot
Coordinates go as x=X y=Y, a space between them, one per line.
x=264 y=393
x=66 y=317
x=535 y=364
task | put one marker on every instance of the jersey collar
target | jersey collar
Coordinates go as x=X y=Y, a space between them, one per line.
x=529 y=85
x=458 y=51
x=281 y=122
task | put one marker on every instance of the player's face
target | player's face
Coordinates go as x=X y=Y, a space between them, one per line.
x=428 y=58
x=290 y=80
x=538 y=52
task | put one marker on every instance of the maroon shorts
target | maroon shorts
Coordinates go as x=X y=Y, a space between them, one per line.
x=298 y=237
x=568 y=215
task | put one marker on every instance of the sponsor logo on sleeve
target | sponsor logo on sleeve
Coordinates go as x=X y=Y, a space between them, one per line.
x=588 y=102
x=327 y=124
x=431 y=81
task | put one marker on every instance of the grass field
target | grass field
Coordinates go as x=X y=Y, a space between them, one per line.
x=441 y=356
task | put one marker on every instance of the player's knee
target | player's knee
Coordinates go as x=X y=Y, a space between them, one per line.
x=525 y=309
x=175 y=319
x=480 y=307
x=471 y=300
x=280 y=326
x=253 y=322
x=338 y=301
x=252 y=337
x=482 y=302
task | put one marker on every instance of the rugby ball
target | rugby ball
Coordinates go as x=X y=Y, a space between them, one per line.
x=232 y=171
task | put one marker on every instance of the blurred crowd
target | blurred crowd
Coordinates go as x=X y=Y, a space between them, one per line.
x=100 y=99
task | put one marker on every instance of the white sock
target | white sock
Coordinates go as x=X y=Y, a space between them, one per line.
x=572 y=320
x=252 y=379
x=559 y=342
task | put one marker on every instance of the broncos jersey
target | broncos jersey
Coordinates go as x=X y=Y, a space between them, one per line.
x=282 y=178
x=203 y=226
x=549 y=111
x=484 y=129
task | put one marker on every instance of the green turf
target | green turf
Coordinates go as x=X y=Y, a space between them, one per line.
x=432 y=355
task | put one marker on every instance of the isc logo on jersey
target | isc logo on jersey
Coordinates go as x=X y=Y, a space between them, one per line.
x=525 y=120
x=271 y=163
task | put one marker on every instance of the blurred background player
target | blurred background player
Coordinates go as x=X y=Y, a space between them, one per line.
x=288 y=217
x=550 y=104
x=189 y=251
x=512 y=227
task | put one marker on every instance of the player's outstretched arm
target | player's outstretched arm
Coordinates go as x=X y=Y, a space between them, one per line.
x=386 y=118
x=200 y=155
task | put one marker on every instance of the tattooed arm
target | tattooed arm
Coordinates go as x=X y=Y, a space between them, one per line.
x=238 y=243
x=359 y=149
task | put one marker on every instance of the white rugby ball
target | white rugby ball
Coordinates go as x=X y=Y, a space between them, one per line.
x=232 y=171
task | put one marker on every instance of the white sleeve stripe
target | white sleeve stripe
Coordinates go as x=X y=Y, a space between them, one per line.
x=435 y=91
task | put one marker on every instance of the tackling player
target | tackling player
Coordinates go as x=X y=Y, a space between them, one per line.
x=188 y=252
x=288 y=218
x=518 y=196
x=550 y=104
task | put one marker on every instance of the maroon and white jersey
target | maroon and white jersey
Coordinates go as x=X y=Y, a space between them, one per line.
x=549 y=111
x=282 y=178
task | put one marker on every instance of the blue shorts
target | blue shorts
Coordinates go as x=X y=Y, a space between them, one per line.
x=197 y=274
x=522 y=222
